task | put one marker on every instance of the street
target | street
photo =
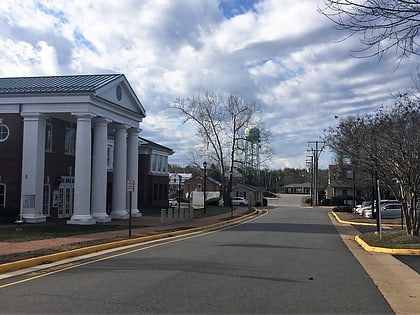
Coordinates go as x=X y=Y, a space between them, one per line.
x=289 y=260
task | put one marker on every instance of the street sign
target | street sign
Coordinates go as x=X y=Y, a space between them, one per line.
x=130 y=185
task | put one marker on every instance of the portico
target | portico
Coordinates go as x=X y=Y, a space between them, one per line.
x=100 y=108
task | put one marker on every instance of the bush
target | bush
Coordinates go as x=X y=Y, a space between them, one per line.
x=343 y=209
x=9 y=215
x=325 y=202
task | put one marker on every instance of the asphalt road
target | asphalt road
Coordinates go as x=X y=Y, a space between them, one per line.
x=290 y=260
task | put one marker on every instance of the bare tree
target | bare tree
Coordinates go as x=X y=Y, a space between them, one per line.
x=382 y=24
x=387 y=144
x=221 y=123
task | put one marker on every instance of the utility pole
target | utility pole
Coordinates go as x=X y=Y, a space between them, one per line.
x=315 y=147
x=310 y=164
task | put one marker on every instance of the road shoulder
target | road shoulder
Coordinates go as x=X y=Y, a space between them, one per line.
x=398 y=283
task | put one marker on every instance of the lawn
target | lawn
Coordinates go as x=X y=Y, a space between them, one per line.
x=394 y=238
x=59 y=228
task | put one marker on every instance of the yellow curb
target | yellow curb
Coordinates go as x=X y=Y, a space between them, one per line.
x=31 y=262
x=392 y=251
x=367 y=247
x=359 y=223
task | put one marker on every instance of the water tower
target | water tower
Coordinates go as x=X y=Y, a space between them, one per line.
x=252 y=150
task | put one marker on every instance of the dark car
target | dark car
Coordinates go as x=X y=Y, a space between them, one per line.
x=269 y=194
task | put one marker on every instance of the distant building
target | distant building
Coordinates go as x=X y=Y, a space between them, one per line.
x=302 y=188
x=153 y=173
x=253 y=194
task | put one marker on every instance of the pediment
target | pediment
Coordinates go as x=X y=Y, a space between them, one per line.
x=120 y=93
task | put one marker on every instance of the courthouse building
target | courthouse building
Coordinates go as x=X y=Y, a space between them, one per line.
x=68 y=145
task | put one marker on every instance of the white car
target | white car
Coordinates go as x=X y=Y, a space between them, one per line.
x=239 y=201
x=173 y=202
x=359 y=208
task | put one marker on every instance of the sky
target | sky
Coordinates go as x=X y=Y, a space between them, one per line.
x=282 y=54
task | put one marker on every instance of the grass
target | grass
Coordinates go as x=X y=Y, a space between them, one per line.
x=395 y=238
x=392 y=239
x=42 y=231
x=29 y=232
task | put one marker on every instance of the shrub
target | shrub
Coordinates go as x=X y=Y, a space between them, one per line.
x=343 y=209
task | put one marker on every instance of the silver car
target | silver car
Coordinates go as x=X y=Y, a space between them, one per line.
x=239 y=201
x=391 y=210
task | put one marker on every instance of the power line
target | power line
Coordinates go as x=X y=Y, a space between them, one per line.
x=315 y=147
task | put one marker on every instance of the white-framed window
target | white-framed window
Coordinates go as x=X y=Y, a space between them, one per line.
x=164 y=164
x=4 y=132
x=110 y=155
x=70 y=141
x=154 y=162
x=159 y=163
x=48 y=136
x=46 y=199
x=2 y=195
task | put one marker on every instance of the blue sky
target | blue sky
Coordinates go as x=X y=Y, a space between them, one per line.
x=282 y=54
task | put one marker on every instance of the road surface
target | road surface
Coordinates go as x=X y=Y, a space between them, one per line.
x=289 y=260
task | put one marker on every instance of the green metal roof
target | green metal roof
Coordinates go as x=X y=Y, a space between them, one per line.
x=55 y=84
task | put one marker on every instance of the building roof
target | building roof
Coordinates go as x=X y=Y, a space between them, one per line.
x=248 y=187
x=299 y=185
x=148 y=143
x=341 y=183
x=55 y=84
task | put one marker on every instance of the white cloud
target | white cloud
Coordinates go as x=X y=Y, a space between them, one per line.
x=282 y=54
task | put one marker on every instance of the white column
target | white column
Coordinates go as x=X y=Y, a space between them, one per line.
x=132 y=168
x=82 y=172
x=99 y=170
x=119 y=177
x=33 y=164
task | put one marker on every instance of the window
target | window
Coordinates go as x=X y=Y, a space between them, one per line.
x=46 y=200
x=159 y=163
x=70 y=141
x=48 y=136
x=154 y=167
x=2 y=195
x=4 y=132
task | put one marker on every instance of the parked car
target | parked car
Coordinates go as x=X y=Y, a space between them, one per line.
x=239 y=201
x=366 y=212
x=269 y=194
x=181 y=199
x=360 y=207
x=388 y=211
x=391 y=210
x=173 y=202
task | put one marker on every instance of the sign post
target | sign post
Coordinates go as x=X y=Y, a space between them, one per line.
x=130 y=189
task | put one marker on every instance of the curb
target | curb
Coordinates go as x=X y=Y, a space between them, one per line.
x=392 y=251
x=367 y=247
x=35 y=261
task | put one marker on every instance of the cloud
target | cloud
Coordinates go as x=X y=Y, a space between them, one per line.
x=282 y=54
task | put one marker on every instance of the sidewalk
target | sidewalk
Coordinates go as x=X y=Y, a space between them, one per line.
x=151 y=226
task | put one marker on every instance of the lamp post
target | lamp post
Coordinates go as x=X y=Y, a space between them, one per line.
x=179 y=192
x=205 y=184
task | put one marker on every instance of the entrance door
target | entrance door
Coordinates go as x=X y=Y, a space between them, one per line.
x=66 y=197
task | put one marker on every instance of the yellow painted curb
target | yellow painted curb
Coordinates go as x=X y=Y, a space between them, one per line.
x=358 y=223
x=30 y=262
x=392 y=251
x=367 y=247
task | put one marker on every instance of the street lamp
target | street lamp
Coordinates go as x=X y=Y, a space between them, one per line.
x=205 y=184
x=179 y=191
